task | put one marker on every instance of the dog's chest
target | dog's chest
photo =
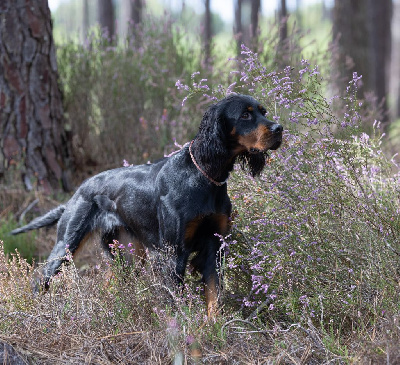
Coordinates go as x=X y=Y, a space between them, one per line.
x=205 y=227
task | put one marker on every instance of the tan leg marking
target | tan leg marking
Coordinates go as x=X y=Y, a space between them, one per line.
x=211 y=291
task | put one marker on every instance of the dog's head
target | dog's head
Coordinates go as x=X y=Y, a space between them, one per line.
x=250 y=131
x=242 y=129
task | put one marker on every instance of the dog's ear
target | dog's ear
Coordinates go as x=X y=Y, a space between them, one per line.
x=212 y=134
x=254 y=163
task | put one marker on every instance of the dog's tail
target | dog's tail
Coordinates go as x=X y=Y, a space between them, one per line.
x=48 y=219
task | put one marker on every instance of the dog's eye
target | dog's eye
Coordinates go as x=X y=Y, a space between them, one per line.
x=246 y=116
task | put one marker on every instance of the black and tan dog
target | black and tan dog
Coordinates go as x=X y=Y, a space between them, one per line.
x=180 y=201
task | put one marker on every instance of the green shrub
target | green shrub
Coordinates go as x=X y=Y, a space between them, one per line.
x=120 y=98
x=24 y=243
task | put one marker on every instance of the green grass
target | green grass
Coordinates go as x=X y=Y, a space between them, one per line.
x=24 y=243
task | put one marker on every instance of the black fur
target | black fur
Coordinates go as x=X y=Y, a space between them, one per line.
x=171 y=203
x=46 y=220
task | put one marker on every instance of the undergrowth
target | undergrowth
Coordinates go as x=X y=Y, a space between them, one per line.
x=133 y=316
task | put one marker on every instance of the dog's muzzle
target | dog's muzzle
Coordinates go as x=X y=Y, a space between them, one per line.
x=276 y=131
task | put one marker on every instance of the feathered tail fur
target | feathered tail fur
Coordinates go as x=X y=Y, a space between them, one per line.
x=48 y=219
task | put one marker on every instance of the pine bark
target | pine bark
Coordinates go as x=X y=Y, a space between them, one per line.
x=31 y=112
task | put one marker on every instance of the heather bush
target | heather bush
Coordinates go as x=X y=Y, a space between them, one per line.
x=315 y=237
x=130 y=318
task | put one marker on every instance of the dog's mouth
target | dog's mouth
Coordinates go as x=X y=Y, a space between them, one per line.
x=254 y=151
x=276 y=145
x=273 y=147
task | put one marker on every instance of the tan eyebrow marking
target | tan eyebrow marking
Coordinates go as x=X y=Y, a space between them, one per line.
x=250 y=108
x=260 y=107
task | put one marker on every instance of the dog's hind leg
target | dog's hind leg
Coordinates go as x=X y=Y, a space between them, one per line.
x=74 y=224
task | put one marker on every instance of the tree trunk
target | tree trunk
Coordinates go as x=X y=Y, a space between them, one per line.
x=106 y=17
x=380 y=16
x=131 y=19
x=85 y=20
x=207 y=32
x=136 y=11
x=395 y=61
x=255 y=11
x=246 y=22
x=31 y=113
x=238 y=30
x=395 y=66
x=282 y=22
x=363 y=30
x=350 y=28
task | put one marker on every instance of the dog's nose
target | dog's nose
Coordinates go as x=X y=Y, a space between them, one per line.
x=276 y=128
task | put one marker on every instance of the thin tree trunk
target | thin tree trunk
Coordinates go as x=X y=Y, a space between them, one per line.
x=364 y=32
x=136 y=11
x=350 y=28
x=106 y=17
x=207 y=32
x=85 y=20
x=31 y=112
x=380 y=15
x=238 y=31
x=283 y=32
x=131 y=19
x=395 y=58
x=255 y=11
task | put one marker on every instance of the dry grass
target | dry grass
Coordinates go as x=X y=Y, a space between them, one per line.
x=136 y=319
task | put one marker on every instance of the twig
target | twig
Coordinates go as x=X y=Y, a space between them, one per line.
x=27 y=209
x=120 y=334
x=259 y=308
x=265 y=333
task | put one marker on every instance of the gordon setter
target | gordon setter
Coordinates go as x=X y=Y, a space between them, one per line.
x=179 y=202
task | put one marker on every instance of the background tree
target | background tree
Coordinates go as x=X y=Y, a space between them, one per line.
x=131 y=17
x=283 y=14
x=106 y=16
x=85 y=19
x=395 y=66
x=255 y=13
x=136 y=11
x=246 y=22
x=207 y=32
x=31 y=112
x=362 y=30
x=238 y=29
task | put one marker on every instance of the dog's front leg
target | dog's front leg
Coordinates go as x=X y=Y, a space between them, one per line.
x=180 y=265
